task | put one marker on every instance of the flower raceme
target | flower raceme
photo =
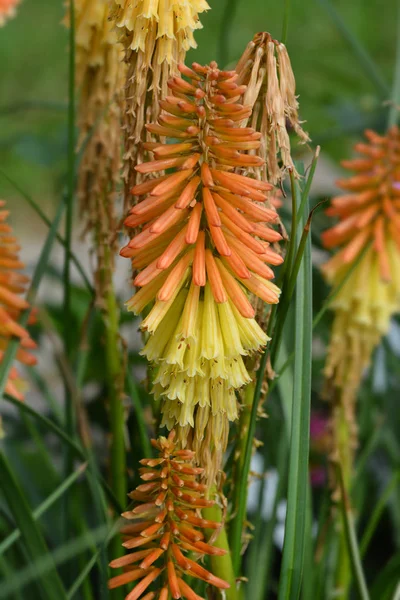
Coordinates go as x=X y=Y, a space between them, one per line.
x=12 y=285
x=205 y=243
x=156 y=35
x=7 y=10
x=368 y=232
x=167 y=529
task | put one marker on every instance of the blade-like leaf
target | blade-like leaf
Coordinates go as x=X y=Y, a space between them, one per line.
x=34 y=542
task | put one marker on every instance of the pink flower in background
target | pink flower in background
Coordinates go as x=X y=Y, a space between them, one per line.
x=319 y=446
x=7 y=10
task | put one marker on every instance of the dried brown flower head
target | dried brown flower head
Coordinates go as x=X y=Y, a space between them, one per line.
x=265 y=69
x=156 y=35
x=100 y=74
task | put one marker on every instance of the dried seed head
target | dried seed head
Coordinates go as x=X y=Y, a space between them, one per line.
x=205 y=245
x=156 y=36
x=12 y=285
x=100 y=79
x=369 y=225
x=7 y=10
x=271 y=92
x=166 y=531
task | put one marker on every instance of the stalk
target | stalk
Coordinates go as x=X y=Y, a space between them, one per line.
x=221 y=566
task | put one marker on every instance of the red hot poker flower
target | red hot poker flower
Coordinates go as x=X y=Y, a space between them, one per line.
x=167 y=532
x=12 y=285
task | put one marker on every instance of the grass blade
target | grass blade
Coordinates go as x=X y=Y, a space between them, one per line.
x=47 y=222
x=294 y=543
x=376 y=515
x=133 y=393
x=34 y=542
x=41 y=510
x=366 y=62
x=78 y=451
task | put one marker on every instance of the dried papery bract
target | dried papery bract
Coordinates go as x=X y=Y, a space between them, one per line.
x=271 y=92
x=7 y=10
x=156 y=35
x=369 y=225
x=12 y=286
x=204 y=246
x=167 y=532
x=100 y=75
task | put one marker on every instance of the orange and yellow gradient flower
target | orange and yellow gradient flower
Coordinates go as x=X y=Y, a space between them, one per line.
x=7 y=10
x=167 y=532
x=12 y=285
x=368 y=232
x=204 y=245
x=156 y=35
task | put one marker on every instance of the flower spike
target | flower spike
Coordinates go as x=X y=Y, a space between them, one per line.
x=206 y=239
x=12 y=285
x=166 y=530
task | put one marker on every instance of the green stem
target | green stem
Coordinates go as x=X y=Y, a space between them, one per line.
x=395 y=98
x=240 y=447
x=226 y=27
x=115 y=382
x=221 y=565
x=351 y=539
x=67 y=309
x=366 y=62
x=285 y=21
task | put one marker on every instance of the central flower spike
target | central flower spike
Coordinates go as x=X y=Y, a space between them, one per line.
x=205 y=244
x=166 y=535
x=369 y=222
x=12 y=285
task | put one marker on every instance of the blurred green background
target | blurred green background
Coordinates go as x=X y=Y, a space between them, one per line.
x=338 y=97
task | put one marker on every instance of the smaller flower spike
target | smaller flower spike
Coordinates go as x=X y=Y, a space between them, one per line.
x=369 y=221
x=7 y=10
x=12 y=285
x=166 y=535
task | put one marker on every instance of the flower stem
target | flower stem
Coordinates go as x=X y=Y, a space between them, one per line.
x=395 y=98
x=222 y=565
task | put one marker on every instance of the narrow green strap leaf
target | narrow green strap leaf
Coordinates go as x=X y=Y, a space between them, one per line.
x=133 y=393
x=370 y=68
x=43 y=564
x=395 y=98
x=296 y=514
x=378 y=511
x=47 y=222
x=33 y=539
x=78 y=451
x=11 y=351
x=44 y=506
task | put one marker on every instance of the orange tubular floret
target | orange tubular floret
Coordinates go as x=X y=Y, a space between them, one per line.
x=368 y=213
x=167 y=550
x=12 y=284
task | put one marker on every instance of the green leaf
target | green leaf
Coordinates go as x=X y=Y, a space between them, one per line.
x=34 y=542
x=78 y=451
x=44 y=506
x=296 y=515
